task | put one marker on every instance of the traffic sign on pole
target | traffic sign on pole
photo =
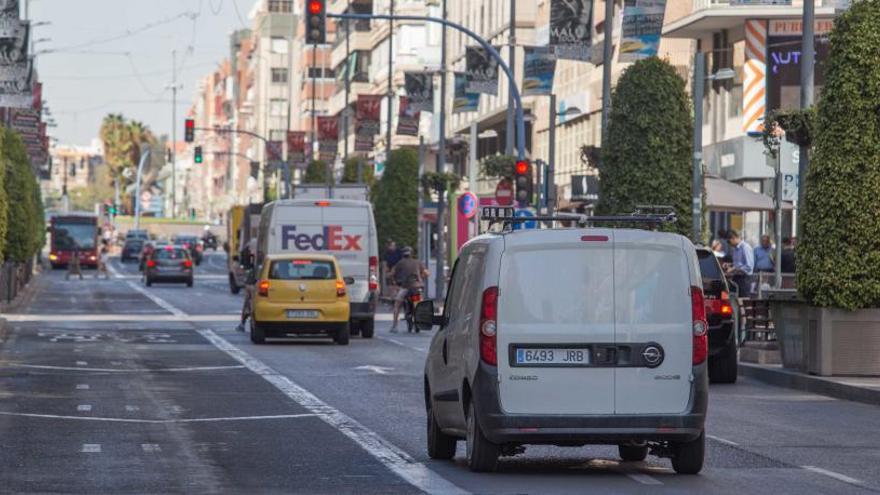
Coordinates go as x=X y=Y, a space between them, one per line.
x=467 y=204
x=504 y=192
x=525 y=225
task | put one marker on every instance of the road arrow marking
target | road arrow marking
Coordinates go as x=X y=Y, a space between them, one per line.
x=381 y=370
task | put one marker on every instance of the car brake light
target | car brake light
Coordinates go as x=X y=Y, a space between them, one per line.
x=700 y=326
x=322 y=203
x=340 y=288
x=374 y=273
x=726 y=308
x=187 y=263
x=489 y=326
x=263 y=288
x=151 y=264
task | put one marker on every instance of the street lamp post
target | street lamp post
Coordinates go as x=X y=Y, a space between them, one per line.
x=777 y=133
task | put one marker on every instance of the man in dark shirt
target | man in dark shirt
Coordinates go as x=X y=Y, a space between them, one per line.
x=789 y=265
x=408 y=274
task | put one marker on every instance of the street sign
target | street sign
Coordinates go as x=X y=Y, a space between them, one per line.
x=504 y=192
x=467 y=205
x=525 y=225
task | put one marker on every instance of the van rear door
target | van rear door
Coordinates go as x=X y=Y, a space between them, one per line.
x=556 y=296
x=653 y=315
x=350 y=226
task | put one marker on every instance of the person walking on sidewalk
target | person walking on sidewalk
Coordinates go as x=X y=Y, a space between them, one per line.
x=73 y=268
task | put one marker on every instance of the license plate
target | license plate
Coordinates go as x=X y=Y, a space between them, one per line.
x=560 y=356
x=302 y=314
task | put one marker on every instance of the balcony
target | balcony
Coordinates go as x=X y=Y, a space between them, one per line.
x=710 y=16
x=358 y=41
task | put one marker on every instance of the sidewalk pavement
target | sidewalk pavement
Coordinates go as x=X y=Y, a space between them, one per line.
x=857 y=389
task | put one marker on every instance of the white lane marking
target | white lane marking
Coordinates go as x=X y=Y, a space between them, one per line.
x=122 y=317
x=176 y=409
x=643 y=479
x=82 y=386
x=723 y=440
x=82 y=363
x=831 y=474
x=116 y=370
x=84 y=407
x=402 y=344
x=151 y=448
x=157 y=421
x=115 y=363
x=132 y=408
x=91 y=448
x=395 y=459
x=77 y=350
x=156 y=299
x=112 y=269
x=379 y=370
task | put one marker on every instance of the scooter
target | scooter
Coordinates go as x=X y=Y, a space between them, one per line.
x=409 y=308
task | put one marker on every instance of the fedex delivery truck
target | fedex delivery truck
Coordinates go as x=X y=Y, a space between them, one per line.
x=341 y=227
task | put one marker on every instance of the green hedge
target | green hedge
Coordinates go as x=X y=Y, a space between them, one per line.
x=316 y=172
x=838 y=252
x=647 y=157
x=350 y=171
x=24 y=223
x=395 y=199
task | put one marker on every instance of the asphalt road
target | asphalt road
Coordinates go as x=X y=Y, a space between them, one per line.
x=109 y=387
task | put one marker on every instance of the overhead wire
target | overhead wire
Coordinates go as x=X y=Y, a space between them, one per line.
x=128 y=33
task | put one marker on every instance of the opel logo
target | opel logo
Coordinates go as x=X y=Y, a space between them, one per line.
x=302 y=287
x=653 y=355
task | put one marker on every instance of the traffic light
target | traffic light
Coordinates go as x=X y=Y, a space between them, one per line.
x=197 y=155
x=523 y=181
x=316 y=21
x=189 y=134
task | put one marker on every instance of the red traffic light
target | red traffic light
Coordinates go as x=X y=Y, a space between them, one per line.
x=316 y=6
x=190 y=123
x=522 y=168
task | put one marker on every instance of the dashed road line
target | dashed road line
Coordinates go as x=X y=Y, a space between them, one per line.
x=157 y=421
x=82 y=363
x=391 y=456
x=723 y=440
x=132 y=370
x=643 y=479
x=151 y=448
x=84 y=407
x=91 y=448
x=132 y=408
x=831 y=474
x=156 y=299
x=82 y=386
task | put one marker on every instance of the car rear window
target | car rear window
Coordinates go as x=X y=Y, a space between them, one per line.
x=169 y=254
x=709 y=265
x=302 y=270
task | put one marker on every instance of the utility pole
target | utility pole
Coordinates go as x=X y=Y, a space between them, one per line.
x=65 y=199
x=511 y=42
x=697 y=186
x=345 y=117
x=606 y=66
x=551 y=158
x=390 y=83
x=808 y=66
x=441 y=167
x=174 y=87
x=287 y=164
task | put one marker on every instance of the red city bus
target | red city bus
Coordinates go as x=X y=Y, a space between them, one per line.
x=70 y=232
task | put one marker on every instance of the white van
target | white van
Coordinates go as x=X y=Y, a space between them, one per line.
x=570 y=337
x=344 y=228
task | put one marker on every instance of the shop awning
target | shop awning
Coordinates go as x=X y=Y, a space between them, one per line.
x=722 y=195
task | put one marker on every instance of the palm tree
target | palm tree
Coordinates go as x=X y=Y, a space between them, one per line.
x=116 y=138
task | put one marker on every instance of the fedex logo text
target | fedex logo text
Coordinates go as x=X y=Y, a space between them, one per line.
x=330 y=239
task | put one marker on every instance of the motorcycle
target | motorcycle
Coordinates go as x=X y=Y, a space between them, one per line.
x=413 y=298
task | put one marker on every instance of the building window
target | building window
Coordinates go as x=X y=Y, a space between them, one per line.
x=278 y=107
x=281 y=6
x=279 y=76
x=320 y=72
x=279 y=45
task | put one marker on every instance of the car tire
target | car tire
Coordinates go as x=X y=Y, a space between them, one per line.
x=687 y=457
x=723 y=367
x=633 y=453
x=258 y=333
x=482 y=455
x=189 y=283
x=440 y=445
x=355 y=327
x=368 y=328
x=342 y=335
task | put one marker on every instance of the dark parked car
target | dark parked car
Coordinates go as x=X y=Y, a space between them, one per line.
x=131 y=250
x=191 y=243
x=720 y=309
x=169 y=264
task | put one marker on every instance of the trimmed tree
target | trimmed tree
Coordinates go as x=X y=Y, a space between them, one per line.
x=20 y=183
x=4 y=164
x=316 y=172
x=350 y=172
x=647 y=157
x=395 y=199
x=837 y=253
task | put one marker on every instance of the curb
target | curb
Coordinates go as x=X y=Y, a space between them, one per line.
x=808 y=383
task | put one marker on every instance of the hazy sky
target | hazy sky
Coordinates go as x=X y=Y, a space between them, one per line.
x=114 y=56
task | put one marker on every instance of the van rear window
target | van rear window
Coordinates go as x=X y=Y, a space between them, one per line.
x=709 y=267
x=302 y=270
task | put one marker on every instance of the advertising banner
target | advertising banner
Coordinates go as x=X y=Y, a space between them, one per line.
x=9 y=18
x=540 y=66
x=363 y=142
x=571 y=28
x=328 y=137
x=482 y=71
x=273 y=151
x=464 y=101
x=16 y=71
x=367 y=114
x=642 y=25
x=784 y=61
x=420 y=90
x=296 y=147
x=407 y=118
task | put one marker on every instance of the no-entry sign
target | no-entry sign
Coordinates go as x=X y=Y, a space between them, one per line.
x=504 y=193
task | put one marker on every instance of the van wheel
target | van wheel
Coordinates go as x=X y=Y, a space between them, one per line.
x=723 y=367
x=482 y=455
x=368 y=328
x=233 y=287
x=342 y=335
x=258 y=333
x=440 y=445
x=633 y=453
x=687 y=457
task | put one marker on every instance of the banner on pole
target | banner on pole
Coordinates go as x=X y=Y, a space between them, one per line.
x=482 y=71
x=407 y=118
x=464 y=101
x=273 y=151
x=571 y=28
x=296 y=147
x=368 y=111
x=539 y=67
x=9 y=18
x=642 y=25
x=420 y=90
x=363 y=142
x=328 y=137
x=16 y=70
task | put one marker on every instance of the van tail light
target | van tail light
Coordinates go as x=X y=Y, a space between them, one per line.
x=151 y=264
x=415 y=298
x=726 y=309
x=374 y=273
x=489 y=326
x=187 y=263
x=340 y=288
x=700 y=326
x=263 y=288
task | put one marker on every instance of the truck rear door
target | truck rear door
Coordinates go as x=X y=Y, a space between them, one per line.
x=348 y=239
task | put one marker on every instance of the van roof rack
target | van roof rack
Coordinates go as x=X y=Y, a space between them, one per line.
x=653 y=215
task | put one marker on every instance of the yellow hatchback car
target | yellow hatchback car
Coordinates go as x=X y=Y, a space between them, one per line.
x=300 y=294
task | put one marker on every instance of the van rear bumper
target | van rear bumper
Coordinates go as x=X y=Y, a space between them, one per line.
x=502 y=428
